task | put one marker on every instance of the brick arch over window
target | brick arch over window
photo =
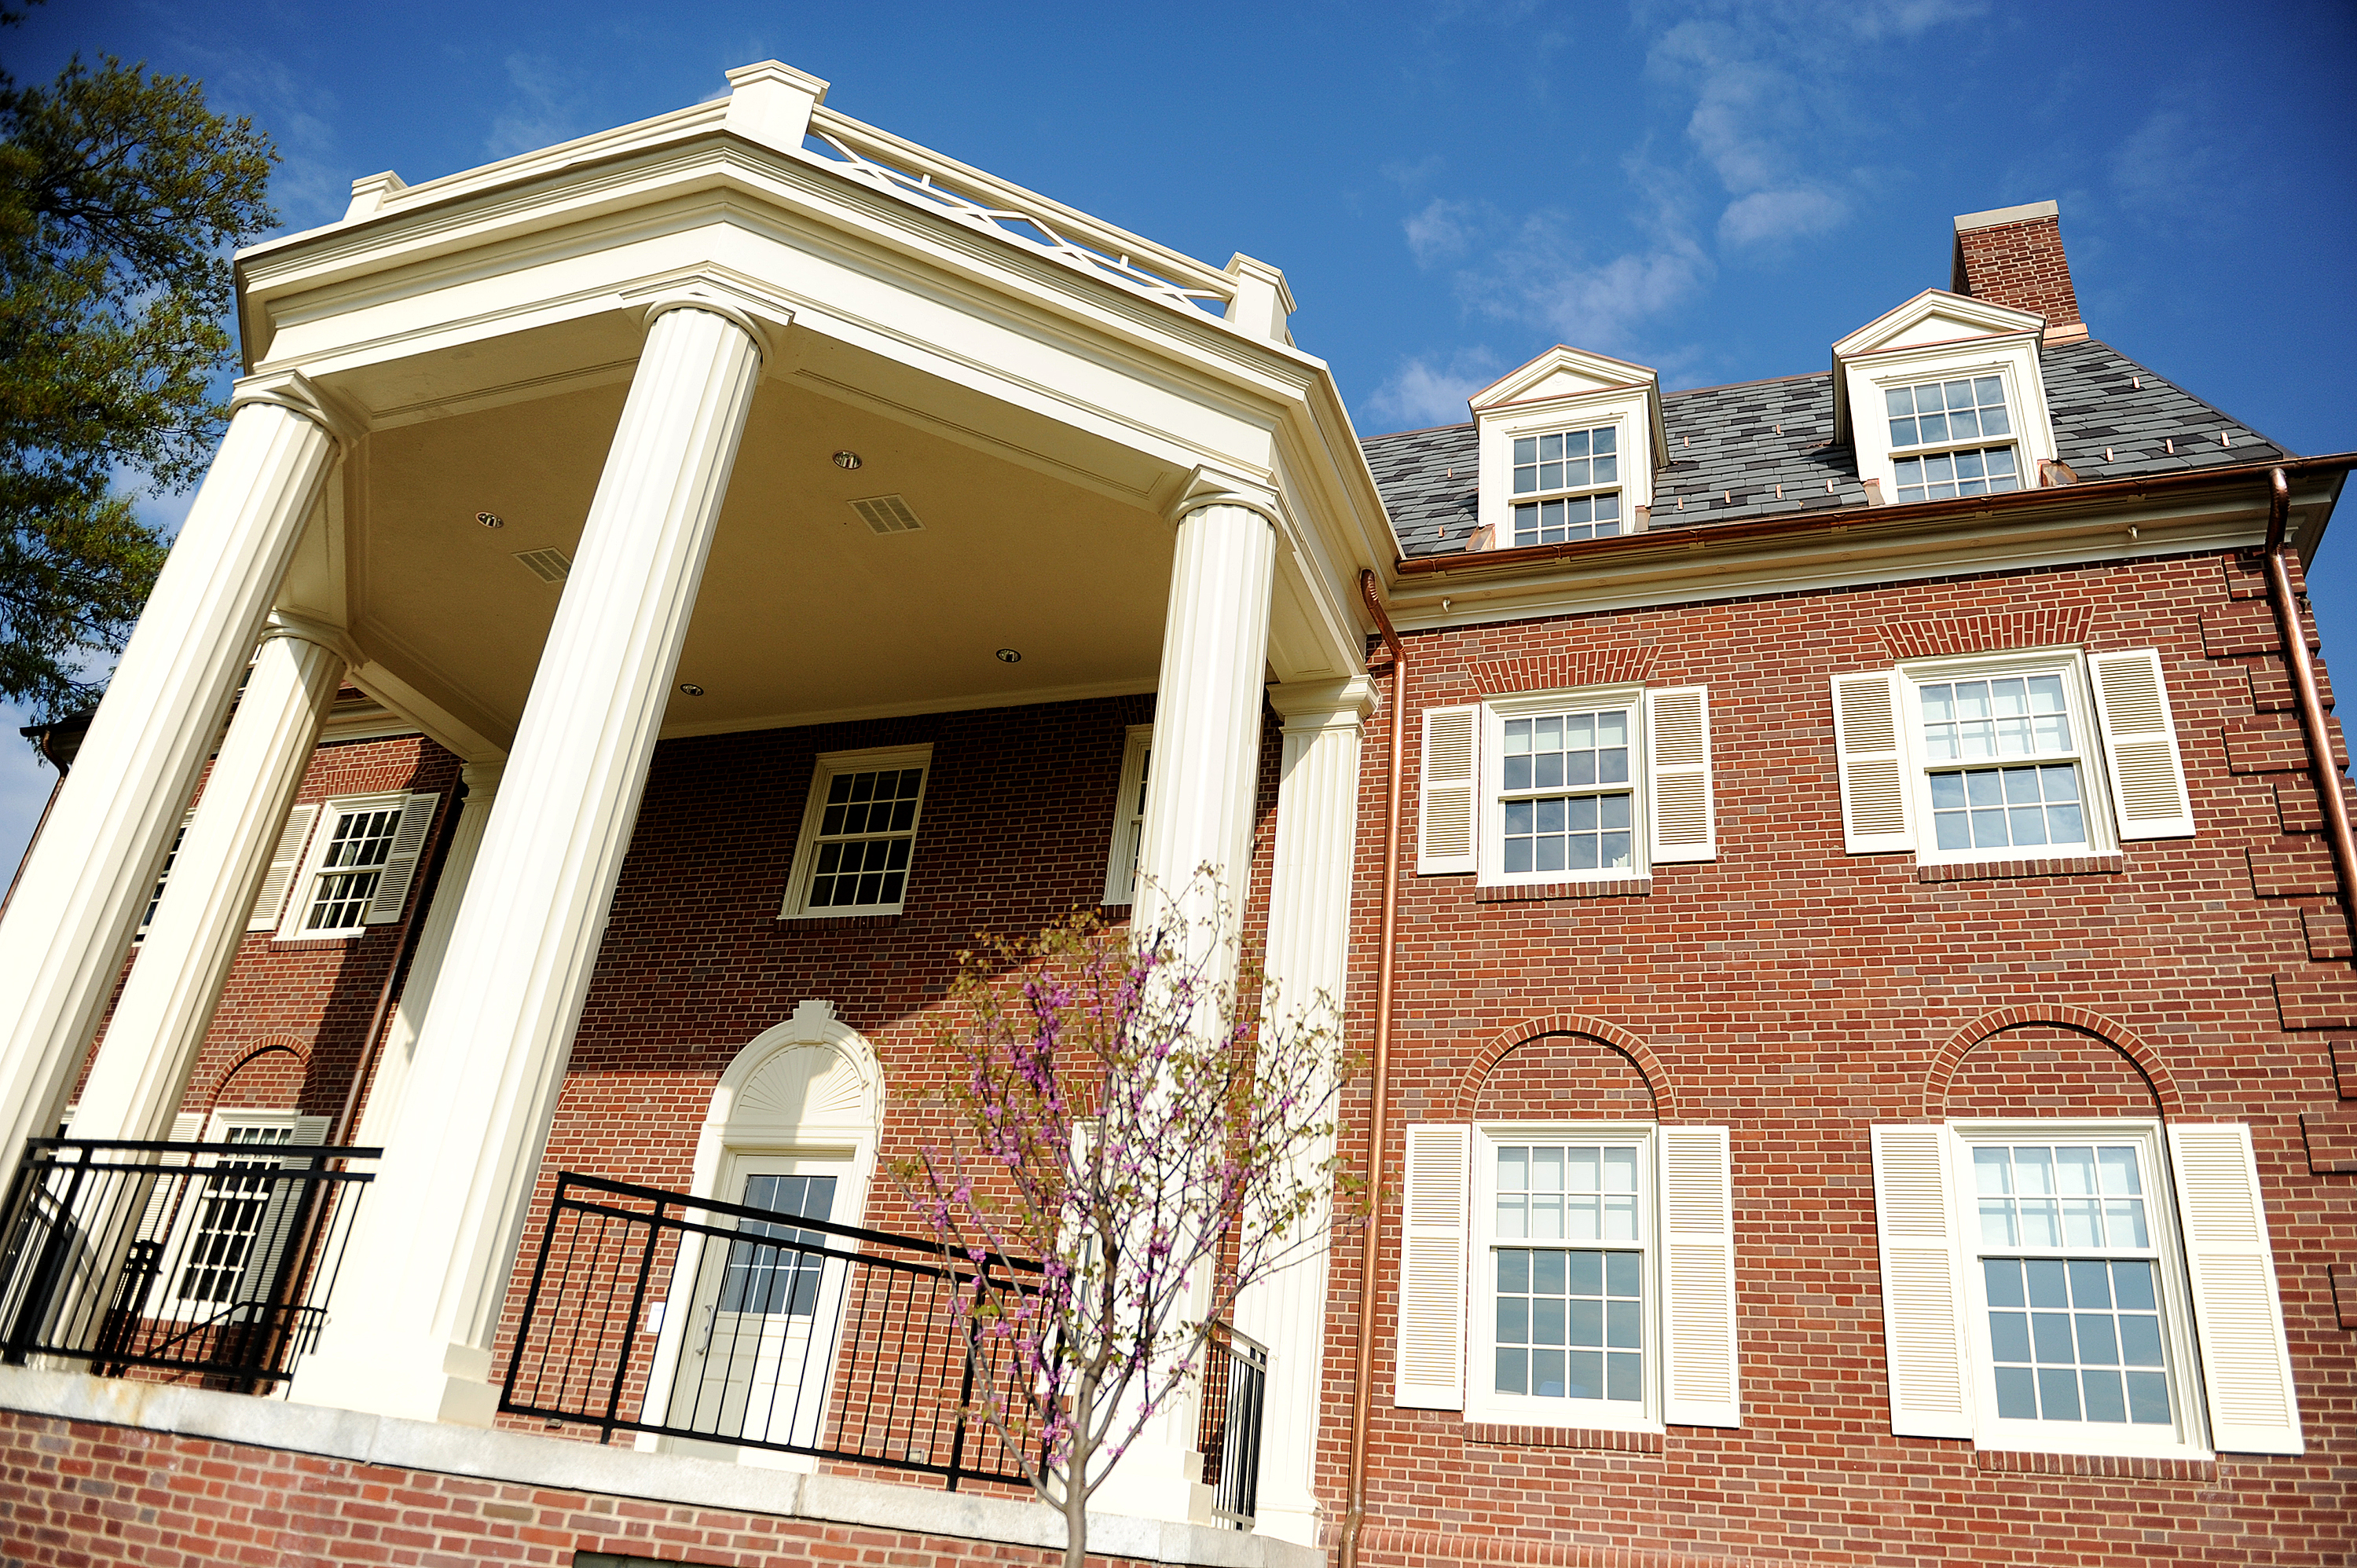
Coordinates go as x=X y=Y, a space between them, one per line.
x=270 y=1077
x=2048 y=1038
x=1636 y=1052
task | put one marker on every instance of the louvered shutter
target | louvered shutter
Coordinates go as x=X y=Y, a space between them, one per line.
x=1433 y=1215
x=285 y=859
x=1876 y=814
x=1684 y=814
x=1699 y=1381
x=2140 y=751
x=1923 y=1322
x=1451 y=815
x=187 y=1128
x=2237 y=1312
x=401 y=860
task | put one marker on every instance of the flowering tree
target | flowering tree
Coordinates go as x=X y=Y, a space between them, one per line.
x=1118 y=1116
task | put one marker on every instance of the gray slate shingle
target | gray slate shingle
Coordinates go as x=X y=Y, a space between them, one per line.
x=1732 y=447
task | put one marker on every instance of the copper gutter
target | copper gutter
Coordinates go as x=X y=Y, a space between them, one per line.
x=2086 y=495
x=1362 y=1378
x=2311 y=702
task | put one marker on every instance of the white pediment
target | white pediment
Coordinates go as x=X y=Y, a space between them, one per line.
x=1561 y=373
x=1935 y=316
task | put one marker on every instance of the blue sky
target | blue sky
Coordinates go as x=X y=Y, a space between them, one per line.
x=1719 y=190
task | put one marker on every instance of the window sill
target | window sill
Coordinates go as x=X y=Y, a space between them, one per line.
x=854 y=920
x=1990 y=871
x=2142 y=1468
x=1498 y=1435
x=322 y=939
x=1548 y=892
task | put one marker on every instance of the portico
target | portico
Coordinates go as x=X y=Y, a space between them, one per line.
x=558 y=458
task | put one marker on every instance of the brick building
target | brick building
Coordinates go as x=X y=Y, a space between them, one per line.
x=1830 y=873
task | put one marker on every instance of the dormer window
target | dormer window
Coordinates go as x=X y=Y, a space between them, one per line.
x=1951 y=414
x=1582 y=468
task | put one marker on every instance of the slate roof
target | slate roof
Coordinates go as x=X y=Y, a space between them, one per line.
x=1760 y=448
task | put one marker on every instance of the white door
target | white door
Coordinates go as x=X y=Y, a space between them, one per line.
x=763 y=1342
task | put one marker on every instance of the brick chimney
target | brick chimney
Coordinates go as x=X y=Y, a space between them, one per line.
x=2013 y=255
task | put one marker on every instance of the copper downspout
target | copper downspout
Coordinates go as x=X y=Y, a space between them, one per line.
x=1362 y=1378
x=2312 y=722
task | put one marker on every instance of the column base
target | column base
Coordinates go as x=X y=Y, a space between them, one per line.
x=1153 y=1482
x=454 y=1388
x=1299 y=1525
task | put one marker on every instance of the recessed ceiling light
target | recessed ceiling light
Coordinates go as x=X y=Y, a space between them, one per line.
x=690 y=689
x=1008 y=656
x=846 y=459
x=490 y=519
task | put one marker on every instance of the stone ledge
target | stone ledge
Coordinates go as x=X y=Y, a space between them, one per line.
x=2059 y=865
x=524 y=1459
x=1605 y=1438
x=2117 y=1465
x=1549 y=892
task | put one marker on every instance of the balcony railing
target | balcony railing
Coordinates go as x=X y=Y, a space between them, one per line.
x=1235 y=1387
x=174 y=1260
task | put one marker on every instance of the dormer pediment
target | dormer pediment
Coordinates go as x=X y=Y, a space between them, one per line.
x=1935 y=316
x=1561 y=373
x=1569 y=445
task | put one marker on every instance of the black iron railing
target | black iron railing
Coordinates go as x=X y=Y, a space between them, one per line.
x=211 y=1259
x=709 y=1322
x=1235 y=1388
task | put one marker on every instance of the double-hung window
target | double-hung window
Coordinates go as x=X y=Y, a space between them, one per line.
x=1945 y=438
x=355 y=870
x=859 y=840
x=1575 y=1276
x=1600 y=784
x=2038 y=1294
x=1129 y=817
x=1566 y=484
x=2011 y=757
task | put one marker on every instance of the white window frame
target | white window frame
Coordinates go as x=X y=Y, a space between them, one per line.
x=1624 y=407
x=2013 y=360
x=2086 y=733
x=322 y=835
x=2185 y=1438
x=1622 y=522
x=272 y=1228
x=823 y=771
x=1128 y=840
x=1491 y=805
x=1481 y=1401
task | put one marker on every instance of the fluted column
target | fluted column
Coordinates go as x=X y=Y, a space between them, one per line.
x=151 y=1042
x=391 y=1085
x=1199 y=812
x=411 y=1323
x=1308 y=963
x=89 y=876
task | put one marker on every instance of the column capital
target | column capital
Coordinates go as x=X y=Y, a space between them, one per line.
x=299 y=393
x=1306 y=705
x=1208 y=486
x=302 y=629
x=759 y=315
x=481 y=778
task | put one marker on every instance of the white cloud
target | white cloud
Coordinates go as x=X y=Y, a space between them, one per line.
x=1772 y=215
x=1442 y=231
x=1425 y=392
x=547 y=108
x=2168 y=162
x=1410 y=176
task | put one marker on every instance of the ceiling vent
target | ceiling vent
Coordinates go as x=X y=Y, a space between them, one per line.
x=888 y=515
x=548 y=566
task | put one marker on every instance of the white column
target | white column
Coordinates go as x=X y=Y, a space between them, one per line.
x=88 y=878
x=1308 y=963
x=143 y=1062
x=411 y=1324
x=382 y=1112
x=1199 y=812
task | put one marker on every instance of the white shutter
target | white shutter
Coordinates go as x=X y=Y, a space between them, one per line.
x=187 y=1128
x=1922 y=1322
x=1452 y=751
x=2237 y=1314
x=1433 y=1214
x=1874 y=794
x=1699 y=1382
x=284 y=861
x=401 y=860
x=1684 y=816
x=2140 y=747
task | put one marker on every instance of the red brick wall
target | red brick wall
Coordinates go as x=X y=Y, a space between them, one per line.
x=1798 y=995
x=77 y=1495
x=2021 y=265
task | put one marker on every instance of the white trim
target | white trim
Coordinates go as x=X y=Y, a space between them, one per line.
x=1701 y=1370
x=1127 y=842
x=1679 y=777
x=2096 y=809
x=2014 y=360
x=285 y=861
x=825 y=769
x=2142 y=761
x=1448 y=797
x=299 y=888
x=2252 y=1396
x=1925 y=1364
x=1491 y=827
